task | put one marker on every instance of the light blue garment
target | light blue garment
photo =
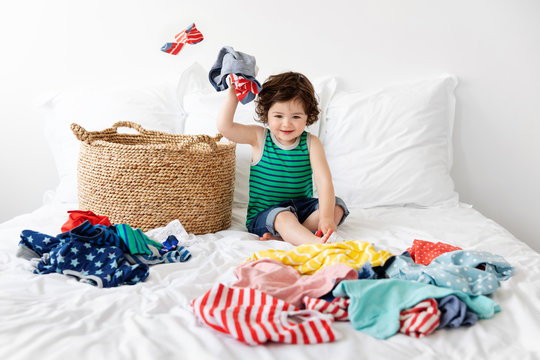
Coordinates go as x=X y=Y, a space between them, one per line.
x=230 y=61
x=494 y=264
x=455 y=270
x=375 y=304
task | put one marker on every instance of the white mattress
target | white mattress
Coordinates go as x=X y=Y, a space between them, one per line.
x=56 y=317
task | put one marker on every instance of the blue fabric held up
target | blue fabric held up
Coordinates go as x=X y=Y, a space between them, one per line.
x=230 y=61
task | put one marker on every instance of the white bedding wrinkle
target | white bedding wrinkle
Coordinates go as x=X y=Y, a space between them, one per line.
x=153 y=319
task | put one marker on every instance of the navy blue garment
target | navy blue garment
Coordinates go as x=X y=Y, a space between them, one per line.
x=37 y=242
x=454 y=313
x=95 y=234
x=366 y=272
x=102 y=266
x=168 y=245
x=85 y=253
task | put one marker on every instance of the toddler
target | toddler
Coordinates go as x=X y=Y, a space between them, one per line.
x=285 y=160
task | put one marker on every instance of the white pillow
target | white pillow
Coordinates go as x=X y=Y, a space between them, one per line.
x=394 y=146
x=97 y=106
x=200 y=103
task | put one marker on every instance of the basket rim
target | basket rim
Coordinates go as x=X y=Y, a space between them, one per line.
x=185 y=142
x=160 y=146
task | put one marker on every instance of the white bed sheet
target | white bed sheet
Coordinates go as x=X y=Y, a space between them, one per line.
x=56 y=317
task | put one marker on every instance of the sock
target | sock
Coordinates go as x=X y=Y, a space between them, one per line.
x=191 y=35
x=245 y=90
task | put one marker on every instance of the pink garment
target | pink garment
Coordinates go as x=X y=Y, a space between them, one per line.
x=285 y=283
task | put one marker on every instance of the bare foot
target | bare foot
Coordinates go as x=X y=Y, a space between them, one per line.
x=268 y=236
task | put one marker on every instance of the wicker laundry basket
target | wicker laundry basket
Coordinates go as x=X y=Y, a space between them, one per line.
x=148 y=179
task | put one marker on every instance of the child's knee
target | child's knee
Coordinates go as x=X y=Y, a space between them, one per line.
x=285 y=216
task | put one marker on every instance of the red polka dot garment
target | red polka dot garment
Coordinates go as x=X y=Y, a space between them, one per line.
x=423 y=252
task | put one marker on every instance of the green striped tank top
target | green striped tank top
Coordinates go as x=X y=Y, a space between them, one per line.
x=282 y=173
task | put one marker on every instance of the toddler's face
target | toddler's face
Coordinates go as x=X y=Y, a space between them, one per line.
x=287 y=120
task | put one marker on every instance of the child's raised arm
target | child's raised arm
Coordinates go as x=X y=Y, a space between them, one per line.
x=239 y=133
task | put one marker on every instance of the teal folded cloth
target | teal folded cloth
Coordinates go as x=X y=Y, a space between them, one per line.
x=375 y=304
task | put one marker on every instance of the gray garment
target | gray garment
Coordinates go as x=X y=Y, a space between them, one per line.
x=27 y=253
x=228 y=62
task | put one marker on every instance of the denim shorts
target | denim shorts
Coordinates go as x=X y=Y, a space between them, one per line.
x=301 y=207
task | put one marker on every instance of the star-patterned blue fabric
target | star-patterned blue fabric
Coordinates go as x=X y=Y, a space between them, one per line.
x=100 y=265
x=458 y=270
x=38 y=242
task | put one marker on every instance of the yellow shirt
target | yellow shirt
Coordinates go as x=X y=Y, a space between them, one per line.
x=309 y=258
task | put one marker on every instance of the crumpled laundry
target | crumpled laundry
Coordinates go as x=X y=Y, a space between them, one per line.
x=161 y=256
x=174 y=228
x=421 y=319
x=337 y=308
x=77 y=217
x=99 y=265
x=376 y=304
x=423 y=252
x=170 y=244
x=94 y=254
x=253 y=317
x=136 y=241
x=285 y=283
x=455 y=270
x=307 y=259
x=454 y=313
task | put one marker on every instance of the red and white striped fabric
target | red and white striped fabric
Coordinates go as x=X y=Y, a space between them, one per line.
x=337 y=308
x=254 y=317
x=421 y=319
x=243 y=86
x=191 y=35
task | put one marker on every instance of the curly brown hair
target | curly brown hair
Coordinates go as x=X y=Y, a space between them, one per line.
x=285 y=87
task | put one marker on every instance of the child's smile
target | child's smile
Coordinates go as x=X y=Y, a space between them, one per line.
x=287 y=120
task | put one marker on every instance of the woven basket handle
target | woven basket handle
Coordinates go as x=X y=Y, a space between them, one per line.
x=86 y=136
x=81 y=133
x=131 y=125
x=207 y=139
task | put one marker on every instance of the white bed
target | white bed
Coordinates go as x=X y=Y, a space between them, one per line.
x=407 y=194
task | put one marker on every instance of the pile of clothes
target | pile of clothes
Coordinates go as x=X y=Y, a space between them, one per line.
x=294 y=296
x=97 y=252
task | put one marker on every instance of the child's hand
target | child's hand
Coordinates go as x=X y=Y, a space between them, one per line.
x=327 y=227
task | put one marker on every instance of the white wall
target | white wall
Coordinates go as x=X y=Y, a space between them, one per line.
x=491 y=45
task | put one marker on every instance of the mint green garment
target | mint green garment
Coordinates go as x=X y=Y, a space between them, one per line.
x=375 y=304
